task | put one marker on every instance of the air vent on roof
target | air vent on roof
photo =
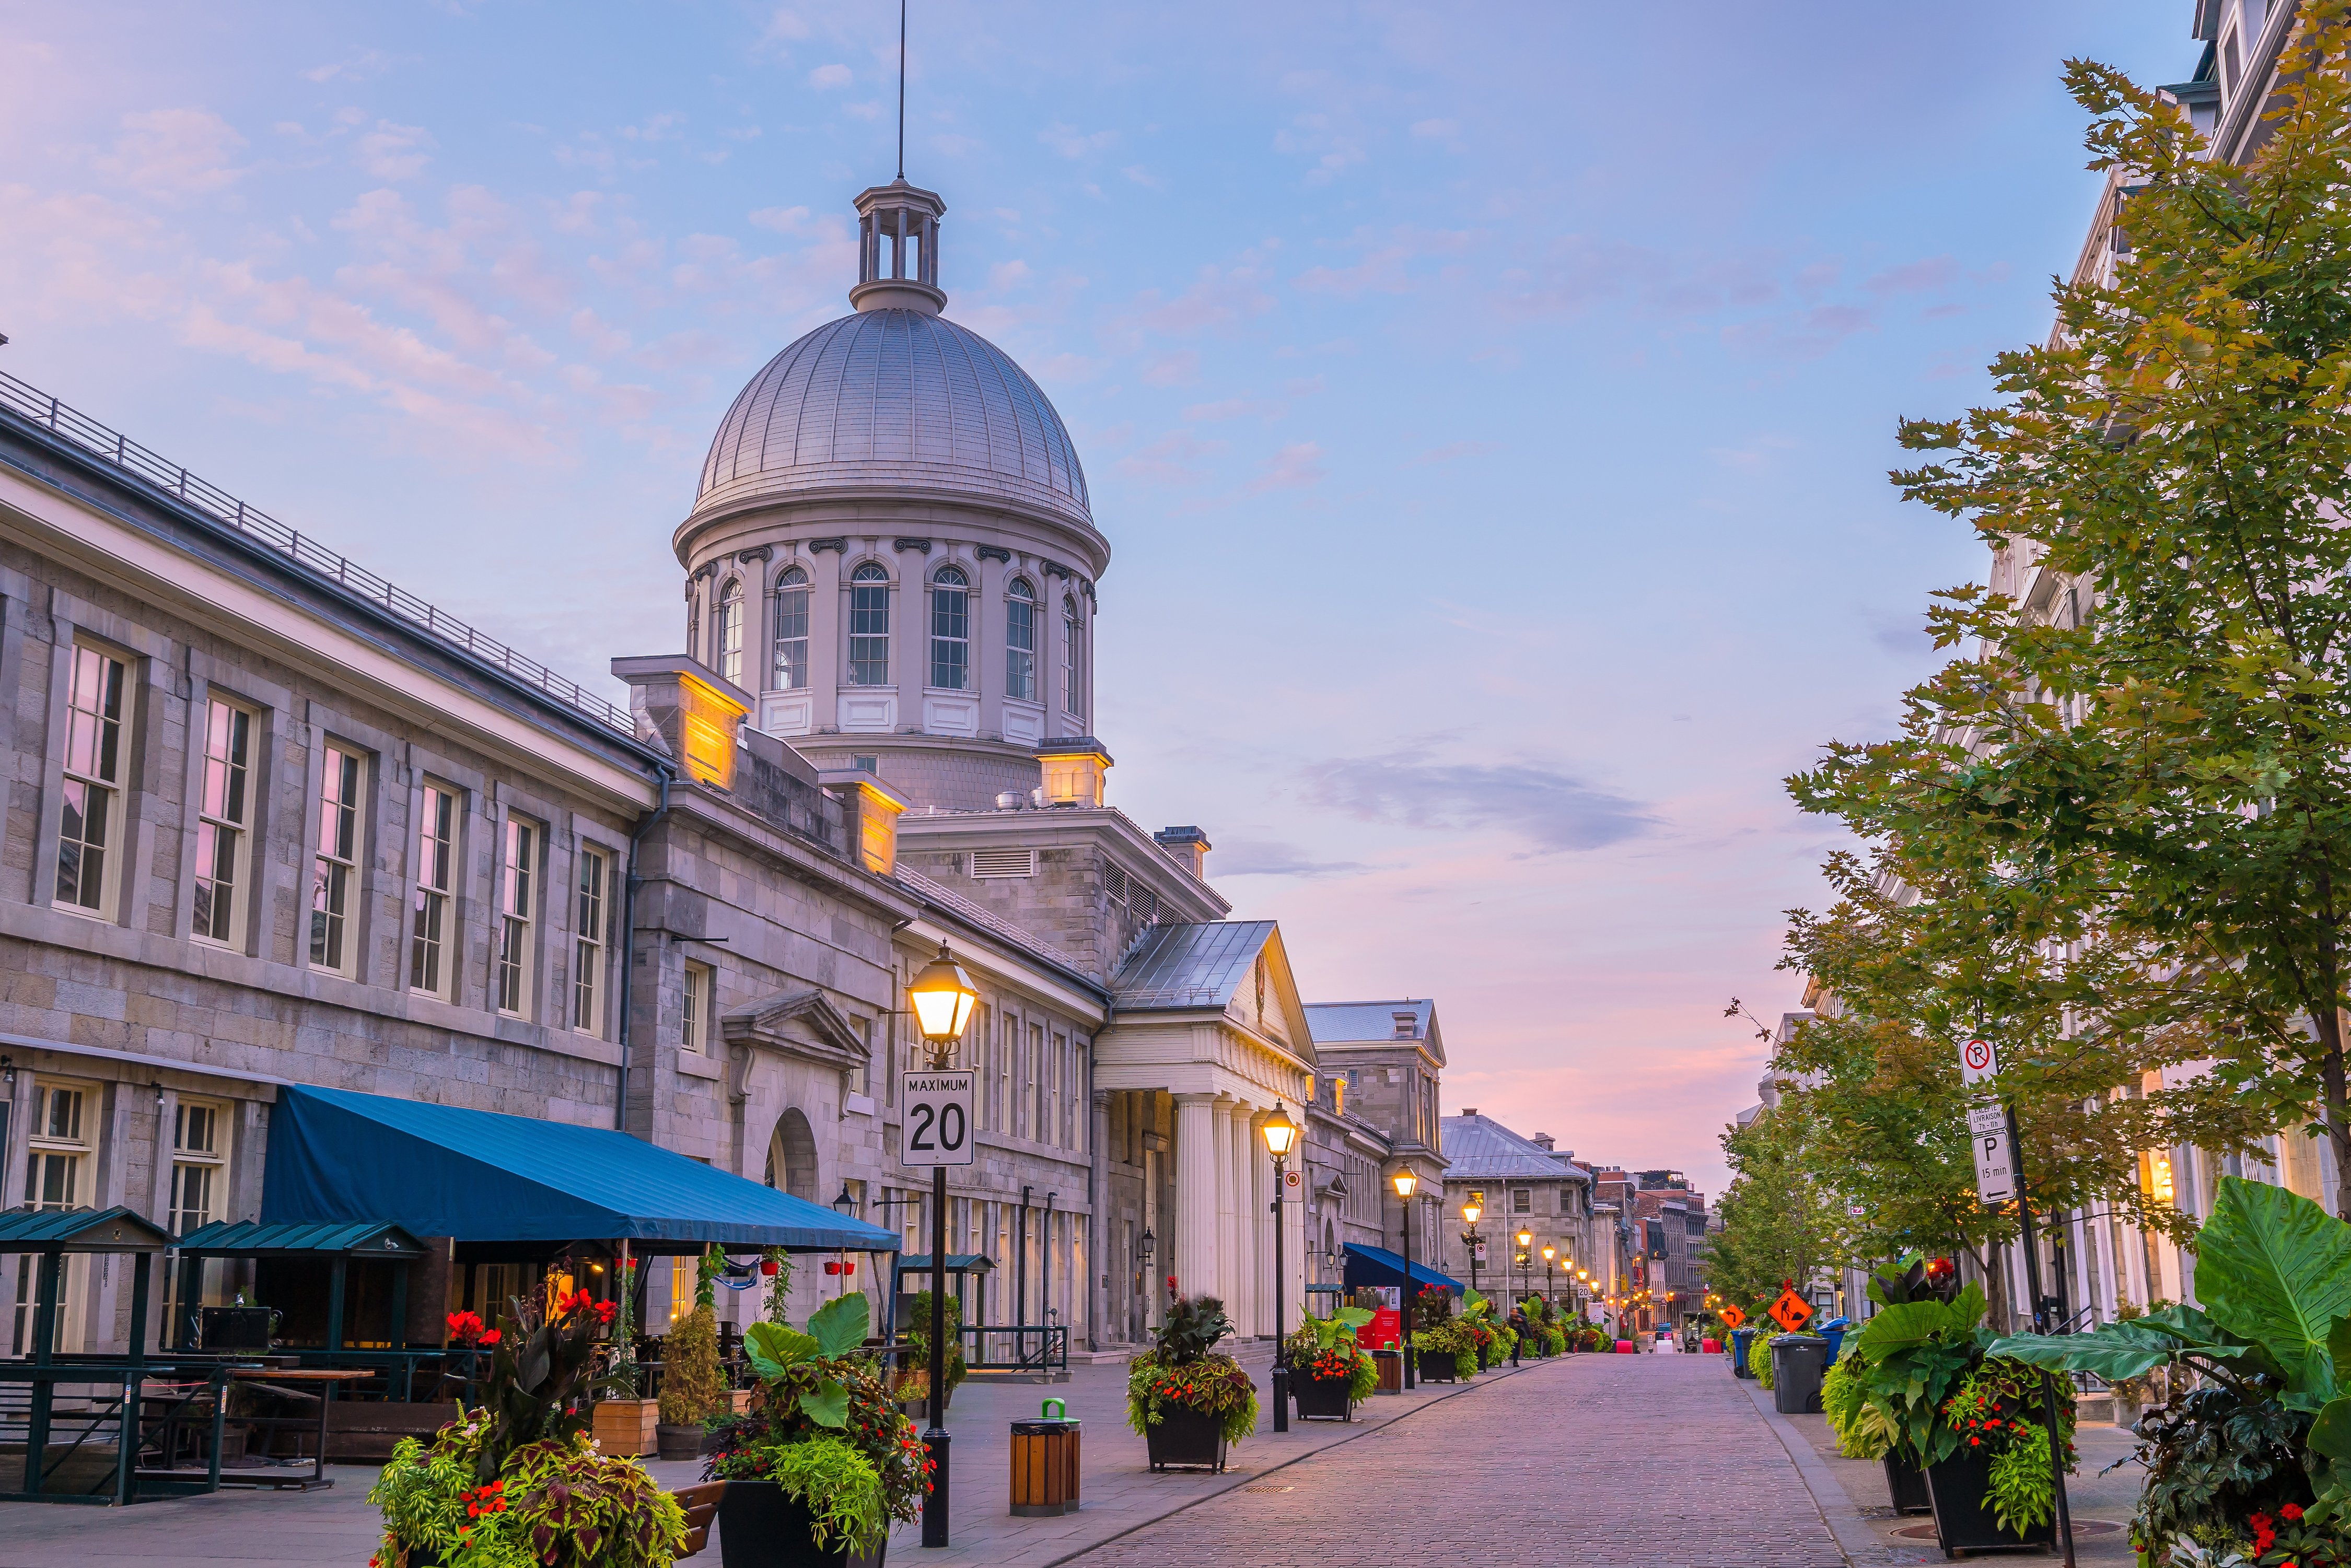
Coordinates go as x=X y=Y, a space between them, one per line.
x=1408 y=1025
x=1114 y=882
x=1003 y=862
x=1146 y=904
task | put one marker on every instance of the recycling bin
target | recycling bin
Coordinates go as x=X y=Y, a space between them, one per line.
x=1740 y=1338
x=1799 y=1361
x=1045 y=1464
x=1834 y=1332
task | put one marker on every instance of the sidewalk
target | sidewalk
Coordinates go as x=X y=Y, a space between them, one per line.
x=337 y=1529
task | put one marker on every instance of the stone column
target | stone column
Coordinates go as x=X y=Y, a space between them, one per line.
x=1196 y=1223
x=1245 y=1272
x=1261 y=1167
x=1227 y=1244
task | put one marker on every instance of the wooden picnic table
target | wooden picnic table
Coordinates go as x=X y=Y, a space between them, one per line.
x=271 y=1378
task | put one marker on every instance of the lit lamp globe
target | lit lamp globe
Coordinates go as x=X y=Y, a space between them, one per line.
x=1405 y=1184
x=1280 y=1132
x=1549 y=1253
x=1469 y=1212
x=942 y=998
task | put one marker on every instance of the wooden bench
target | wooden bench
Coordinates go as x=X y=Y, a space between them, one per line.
x=701 y=1505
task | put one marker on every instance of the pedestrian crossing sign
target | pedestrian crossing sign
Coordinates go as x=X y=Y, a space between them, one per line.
x=1731 y=1317
x=1791 y=1309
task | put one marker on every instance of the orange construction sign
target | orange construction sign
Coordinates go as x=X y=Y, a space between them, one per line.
x=1731 y=1317
x=1791 y=1310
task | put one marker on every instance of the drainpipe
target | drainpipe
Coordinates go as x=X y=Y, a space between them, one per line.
x=629 y=961
x=1045 y=1271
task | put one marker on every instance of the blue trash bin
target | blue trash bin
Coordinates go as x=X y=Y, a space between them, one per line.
x=1833 y=1331
x=1739 y=1339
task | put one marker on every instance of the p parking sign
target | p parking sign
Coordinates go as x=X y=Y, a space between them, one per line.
x=939 y=1118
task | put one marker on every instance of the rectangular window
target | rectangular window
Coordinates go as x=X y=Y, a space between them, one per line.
x=682 y=1281
x=1021 y=646
x=1032 y=1100
x=198 y=1155
x=694 y=1010
x=950 y=633
x=588 y=938
x=334 y=872
x=53 y=1178
x=511 y=967
x=1072 y=659
x=93 y=779
x=791 y=638
x=433 y=929
x=869 y=631
x=1521 y=1201
x=222 y=805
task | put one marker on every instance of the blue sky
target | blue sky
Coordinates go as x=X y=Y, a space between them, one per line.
x=1489 y=405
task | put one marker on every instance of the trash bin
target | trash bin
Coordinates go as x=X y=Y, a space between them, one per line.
x=1798 y=1363
x=1835 y=1331
x=1740 y=1338
x=1045 y=1463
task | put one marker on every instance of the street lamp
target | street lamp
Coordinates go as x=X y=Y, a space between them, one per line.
x=1549 y=1253
x=1470 y=1239
x=942 y=998
x=1280 y=1133
x=1526 y=1240
x=1406 y=1183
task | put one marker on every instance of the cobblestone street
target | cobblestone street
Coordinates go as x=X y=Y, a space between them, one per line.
x=1593 y=1461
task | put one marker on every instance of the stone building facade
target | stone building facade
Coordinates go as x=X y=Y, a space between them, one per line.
x=1520 y=1185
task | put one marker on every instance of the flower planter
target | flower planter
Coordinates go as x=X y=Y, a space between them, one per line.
x=1440 y=1366
x=1959 y=1491
x=1906 y=1487
x=629 y=1428
x=1323 y=1398
x=1187 y=1439
x=759 y=1527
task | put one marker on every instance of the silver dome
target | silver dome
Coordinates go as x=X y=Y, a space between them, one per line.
x=898 y=400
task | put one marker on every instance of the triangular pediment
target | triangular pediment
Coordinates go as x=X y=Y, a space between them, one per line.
x=805 y=1024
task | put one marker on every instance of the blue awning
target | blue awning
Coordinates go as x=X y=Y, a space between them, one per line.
x=337 y=1157
x=1378 y=1266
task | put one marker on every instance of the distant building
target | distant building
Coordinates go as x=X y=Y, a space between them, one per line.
x=1520 y=1183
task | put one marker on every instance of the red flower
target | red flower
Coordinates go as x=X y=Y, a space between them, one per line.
x=489 y=1339
x=1975 y=1442
x=2290 y=1513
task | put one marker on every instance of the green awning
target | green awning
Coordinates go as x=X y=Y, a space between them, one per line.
x=247 y=1238
x=113 y=1229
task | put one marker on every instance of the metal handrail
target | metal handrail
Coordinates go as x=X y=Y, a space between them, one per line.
x=101 y=441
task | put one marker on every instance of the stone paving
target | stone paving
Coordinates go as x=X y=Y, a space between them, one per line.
x=1633 y=1461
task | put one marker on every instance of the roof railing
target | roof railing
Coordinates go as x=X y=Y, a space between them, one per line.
x=40 y=408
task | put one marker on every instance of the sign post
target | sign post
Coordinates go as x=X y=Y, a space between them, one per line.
x=937 y=1133
x=2000 y=1180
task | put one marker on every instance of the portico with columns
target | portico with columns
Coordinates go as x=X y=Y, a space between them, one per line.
x=1206 y=1017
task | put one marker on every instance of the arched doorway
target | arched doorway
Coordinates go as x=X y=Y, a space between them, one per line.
x=791 y=1157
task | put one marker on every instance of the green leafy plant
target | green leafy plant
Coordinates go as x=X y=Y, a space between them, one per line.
x=838 y=1485
x=555 y=1504
x=786 y=1357
x=2023 y=1497
x=694 y=1387
x=919 y=1340
x=1181 y=1371
x=1758 y=1359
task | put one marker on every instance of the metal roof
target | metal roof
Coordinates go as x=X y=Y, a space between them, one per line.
x=1190 y=964
x=897 y=399
x=115 y=1229
x=1480 y=1148
x=1357 y=1023
x=249 y=1239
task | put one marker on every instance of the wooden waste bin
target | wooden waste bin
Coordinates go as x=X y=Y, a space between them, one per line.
x=1390 y=1363
x=1045 y=1465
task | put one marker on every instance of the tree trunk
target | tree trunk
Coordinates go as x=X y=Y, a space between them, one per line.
x=1995 y=1272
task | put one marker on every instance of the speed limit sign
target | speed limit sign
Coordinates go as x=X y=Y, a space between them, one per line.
x=939 y=1118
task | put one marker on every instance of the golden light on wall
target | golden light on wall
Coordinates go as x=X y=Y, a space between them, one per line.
x=2154 y=1176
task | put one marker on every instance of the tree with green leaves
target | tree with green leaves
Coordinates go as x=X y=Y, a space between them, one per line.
x=1777 y=1220
x=2164 y=769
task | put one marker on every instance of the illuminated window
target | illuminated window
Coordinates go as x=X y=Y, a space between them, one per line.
x=433 y=929
x=869 y=626
x=511 y=969
x=222 y=809
x=334 y=872
x=93 y=779
x=1021 y=641
x=793 y=629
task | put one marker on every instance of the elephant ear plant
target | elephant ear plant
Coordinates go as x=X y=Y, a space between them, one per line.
x=2252 y=1463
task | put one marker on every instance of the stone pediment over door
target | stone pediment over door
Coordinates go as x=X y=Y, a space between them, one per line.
x=804 y=1025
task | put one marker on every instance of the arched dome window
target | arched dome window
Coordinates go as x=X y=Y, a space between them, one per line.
x=950 y=629
x=869 y=626
x=1073 y=657
x=727 y=642
x=791 y=630
x=1021 y=641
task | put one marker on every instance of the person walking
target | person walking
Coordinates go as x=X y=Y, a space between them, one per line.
x=1518 y=1331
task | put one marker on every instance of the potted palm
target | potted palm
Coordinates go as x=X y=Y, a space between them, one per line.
x=1328 y=1371
x=1189 y=1402
x=823 y=1461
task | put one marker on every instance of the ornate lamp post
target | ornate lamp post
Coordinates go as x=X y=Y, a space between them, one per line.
x=1548 y=1254
x=1525 y=1240
x=1280 y=1133
x=1405 y=1184
x=942 y=998
x=1469 y=1237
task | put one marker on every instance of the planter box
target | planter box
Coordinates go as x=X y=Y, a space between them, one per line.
x=627 y=1426
x=759 y=1527
x=1959 y=1489
x=366 y=1429
x=1440 y=1366
x=1323 y=1399
x=682 y=1442
x=1906 y=1487
x=1187 y=1439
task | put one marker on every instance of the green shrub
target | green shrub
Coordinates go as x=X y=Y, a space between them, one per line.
x=1758 y=1359
x=918 y=1337
x=693 y=1389
x=2023 y=1495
